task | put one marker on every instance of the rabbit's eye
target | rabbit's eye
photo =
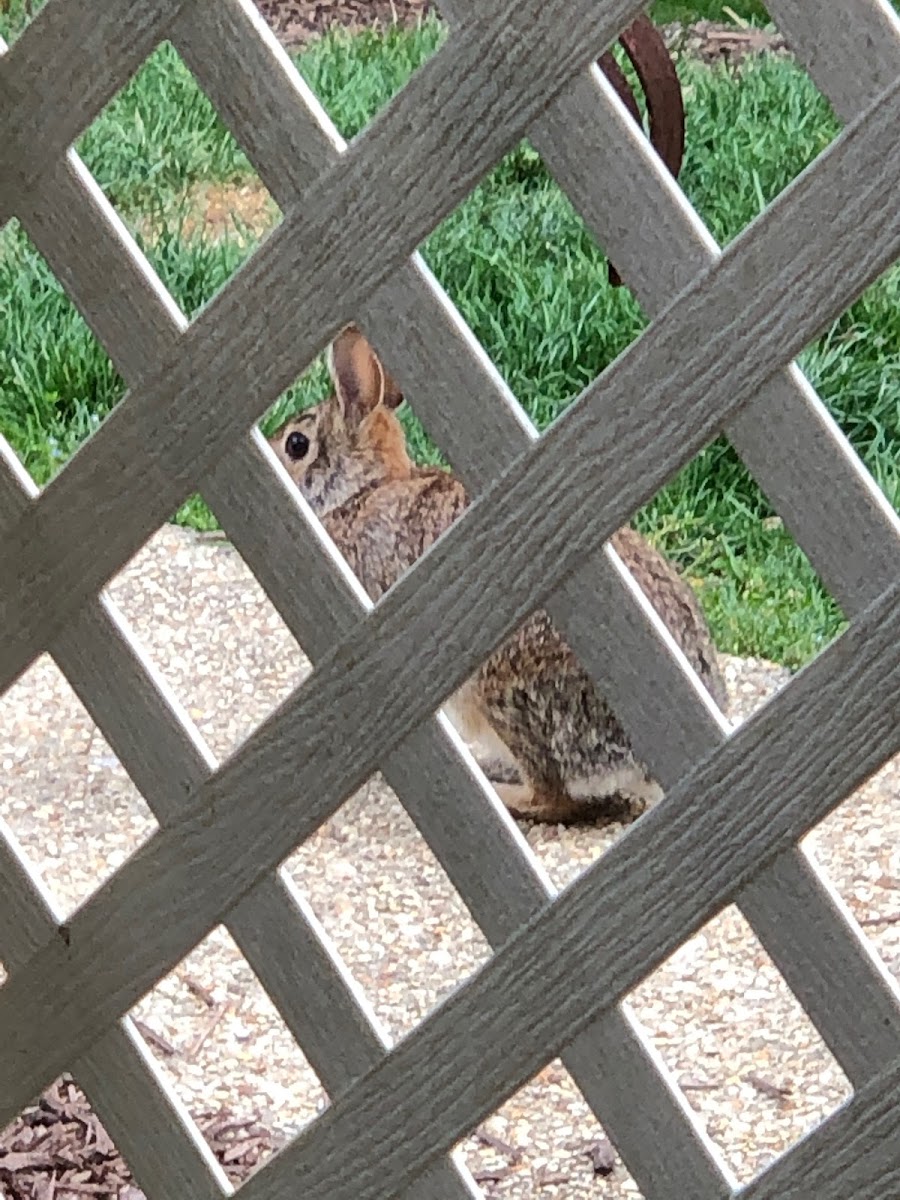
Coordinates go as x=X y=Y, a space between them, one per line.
x=296 y=445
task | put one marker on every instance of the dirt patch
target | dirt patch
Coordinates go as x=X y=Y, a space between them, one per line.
x=242 y=212
x=231 y=209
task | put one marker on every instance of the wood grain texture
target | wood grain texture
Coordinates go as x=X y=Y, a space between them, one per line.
x=442 y=132
x=851 y=50
x=786 y=438
x=661 y=881
x=182 y=870
x=139 y=1109
x=68 y=63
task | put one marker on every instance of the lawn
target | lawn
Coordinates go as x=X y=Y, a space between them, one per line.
x=524 y=273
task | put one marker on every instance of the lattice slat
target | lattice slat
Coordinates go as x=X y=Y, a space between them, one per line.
x=850 y=51
x=850 y=534
x=729 y=820
x=68 y=64
x=660 y=882
x=441 y=130
x=436 y=582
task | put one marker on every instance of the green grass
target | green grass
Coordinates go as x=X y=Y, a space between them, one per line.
x=526 y=276
x=708 y=10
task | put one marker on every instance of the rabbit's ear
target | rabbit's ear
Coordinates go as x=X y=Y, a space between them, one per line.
x=360 y=381
x=392 y=397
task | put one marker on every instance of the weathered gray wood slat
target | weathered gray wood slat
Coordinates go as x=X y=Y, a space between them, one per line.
x=827 y=731
x=66 y=66
x=448 y=126
x=137 y=1106
x=611 y=1062
x=153 y=736
x=182 y=862
x=850 y=50
x=639 y=1102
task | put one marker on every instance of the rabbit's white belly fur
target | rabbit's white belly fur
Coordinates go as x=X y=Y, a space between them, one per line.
x=628 y=781
x=467 y=719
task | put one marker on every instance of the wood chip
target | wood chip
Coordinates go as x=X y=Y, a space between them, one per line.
x=496 y=1143
x=154 y=1039
x=603 y=1157
x=767 y=1087
x=206 y=1031
x=196 y=988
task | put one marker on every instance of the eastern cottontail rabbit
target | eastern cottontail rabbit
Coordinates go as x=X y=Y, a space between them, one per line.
x=530 y=704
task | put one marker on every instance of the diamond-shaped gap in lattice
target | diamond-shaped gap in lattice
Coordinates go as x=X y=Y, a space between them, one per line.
x=228 y=1053
x=532 y=283
x=857 y=846
x=545 y=1142
x=178 y=179
x=65 y=795
x=740 y=1046
x=389 y=907
x=210 y=629
x=56 y=381
x=755 y=120
x=765 y=602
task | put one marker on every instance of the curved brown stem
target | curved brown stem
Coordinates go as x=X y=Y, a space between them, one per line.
x=644 y=45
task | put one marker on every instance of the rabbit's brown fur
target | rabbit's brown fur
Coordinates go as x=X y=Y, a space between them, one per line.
x=531 y=705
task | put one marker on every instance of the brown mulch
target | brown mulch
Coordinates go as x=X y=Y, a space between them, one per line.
x=714 y=43
x=296 y=22
x=58 y=1150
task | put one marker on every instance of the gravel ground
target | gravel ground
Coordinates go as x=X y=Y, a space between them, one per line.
x=718 y=1012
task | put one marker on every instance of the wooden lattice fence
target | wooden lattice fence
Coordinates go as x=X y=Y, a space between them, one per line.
x=717 y=357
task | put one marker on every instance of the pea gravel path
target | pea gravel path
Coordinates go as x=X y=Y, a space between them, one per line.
x=717 y=1011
